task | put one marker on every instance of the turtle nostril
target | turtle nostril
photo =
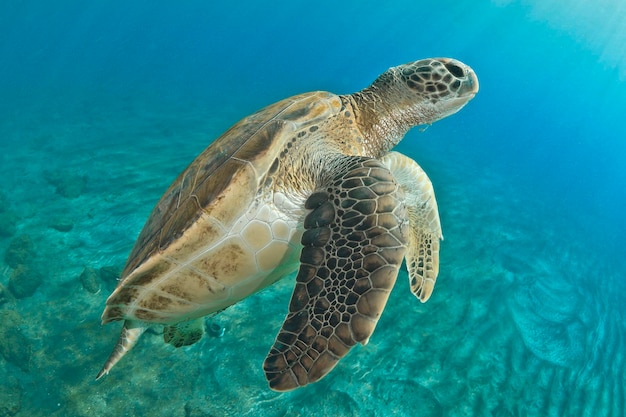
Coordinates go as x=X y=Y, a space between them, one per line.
x=455 y=70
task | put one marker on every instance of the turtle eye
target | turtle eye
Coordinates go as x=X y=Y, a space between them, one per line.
x=455 y=70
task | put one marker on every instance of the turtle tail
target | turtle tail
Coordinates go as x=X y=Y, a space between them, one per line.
x=131 y=332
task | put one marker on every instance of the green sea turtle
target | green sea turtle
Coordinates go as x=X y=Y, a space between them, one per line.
x=307 y=183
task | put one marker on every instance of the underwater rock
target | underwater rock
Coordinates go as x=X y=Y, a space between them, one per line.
x=8 y=222
x=10 y=397
x=68 y=184
x=62 y=225
x=195 y=411
x=215 y=329
x=110 y=274
x=14 y=346
x=20 y=250
x=24 y=281
x=90 y=279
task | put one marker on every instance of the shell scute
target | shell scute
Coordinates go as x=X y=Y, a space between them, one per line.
x=199 y=208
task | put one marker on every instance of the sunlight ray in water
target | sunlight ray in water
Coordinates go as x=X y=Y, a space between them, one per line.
x=600 y=26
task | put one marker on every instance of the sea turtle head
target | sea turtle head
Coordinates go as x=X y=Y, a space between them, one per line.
x=417 y=93
x=424 y=91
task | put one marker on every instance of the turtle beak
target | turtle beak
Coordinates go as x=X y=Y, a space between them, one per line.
x=464 y=74
x=469 y=86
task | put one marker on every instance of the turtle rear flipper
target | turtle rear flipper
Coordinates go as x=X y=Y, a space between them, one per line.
x=184 y=333
x=131 y=332
x=354 y=244
x=422 y=256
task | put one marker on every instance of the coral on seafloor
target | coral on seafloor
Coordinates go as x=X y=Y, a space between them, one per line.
x=20 y=251
x=10 y=397
x=67 y=183
x=24 y=281
x=5 y=296
x=14 y=346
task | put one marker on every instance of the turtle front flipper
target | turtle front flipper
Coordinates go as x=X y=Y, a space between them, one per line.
x=422 y=256
x=354 y=244
x=131 y=332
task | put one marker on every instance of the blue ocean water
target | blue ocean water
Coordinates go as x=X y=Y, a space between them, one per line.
x=102 y=104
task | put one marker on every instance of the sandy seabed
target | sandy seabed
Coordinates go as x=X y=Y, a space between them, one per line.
x=526 y=318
